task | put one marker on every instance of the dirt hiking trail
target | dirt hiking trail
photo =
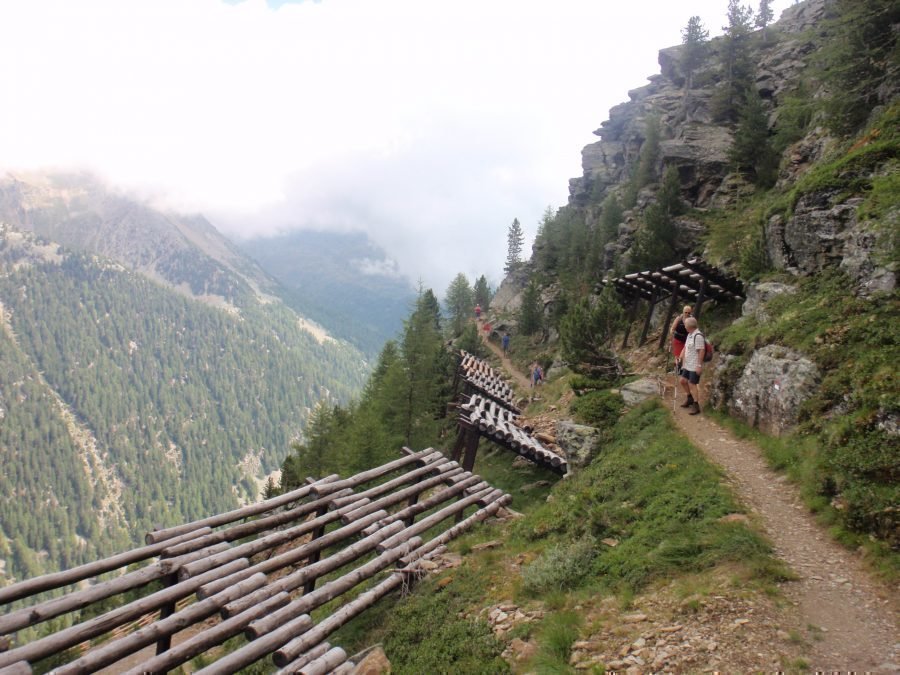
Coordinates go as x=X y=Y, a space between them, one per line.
x=856 y=614
x=853 y=618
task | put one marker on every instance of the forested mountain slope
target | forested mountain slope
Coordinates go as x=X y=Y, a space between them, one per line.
x=126 y=405
x=341 y=280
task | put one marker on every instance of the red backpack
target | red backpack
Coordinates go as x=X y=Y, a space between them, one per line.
x=708 y=349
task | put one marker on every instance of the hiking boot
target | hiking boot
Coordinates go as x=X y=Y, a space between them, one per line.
x=695 y=409
x=688 y=403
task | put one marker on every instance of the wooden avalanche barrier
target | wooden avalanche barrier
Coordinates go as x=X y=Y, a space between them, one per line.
x=253 y=572
x=479 y=416
x=483 y=379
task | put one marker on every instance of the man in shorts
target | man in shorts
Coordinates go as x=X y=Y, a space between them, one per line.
x=692 y=365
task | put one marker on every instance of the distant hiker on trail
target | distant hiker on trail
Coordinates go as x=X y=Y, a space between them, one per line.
x=679 y=332
x=692 y=365
x=478 y=312
x=505 y=343
x=537 y=374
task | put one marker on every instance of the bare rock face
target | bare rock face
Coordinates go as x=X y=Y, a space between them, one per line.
x=758 y=295
x=579 y=443
x=508 y=298
x=823 y=233
x=772 y=387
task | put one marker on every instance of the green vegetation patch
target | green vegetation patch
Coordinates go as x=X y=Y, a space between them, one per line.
x=656 y=502
x=852 y=465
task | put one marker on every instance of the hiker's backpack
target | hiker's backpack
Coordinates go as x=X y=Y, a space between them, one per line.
x=708 y=349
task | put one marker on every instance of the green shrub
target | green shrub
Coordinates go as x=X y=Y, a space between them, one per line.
x=561 y=567
x=600 y=409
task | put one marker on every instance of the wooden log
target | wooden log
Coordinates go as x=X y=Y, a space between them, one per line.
x=456 y=530
x=297 y=579
x=399 y=496
x=69 y=637
x=263 y=543
x=344 y=669
x=255 y=526
x=237 y=514
x=311 y=654
x=29 y=616
x=427 y=523
x=20 y=668
x=324 y=664
x=298 y=645
x=254 y=651
x=111 y=652
x=408 y=477
x=208 y=638
x=429 y=503
x=331 y=590
x=427 y=456
x=48 y=582
x=301 y=552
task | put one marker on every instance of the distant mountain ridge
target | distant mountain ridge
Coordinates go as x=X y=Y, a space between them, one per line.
x=342 y=280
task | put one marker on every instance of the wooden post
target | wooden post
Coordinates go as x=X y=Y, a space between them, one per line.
x=701 y=296
x=652 y=302
x=456 y=453
x=310 y=585
x=165 y=642
x=472 y=437
x=669 y=315
x=632 y=315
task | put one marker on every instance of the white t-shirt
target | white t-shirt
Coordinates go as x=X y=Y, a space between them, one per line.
x=694 y=342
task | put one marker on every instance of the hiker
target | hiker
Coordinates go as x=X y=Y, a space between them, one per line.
x=478 y=312
x=692 y=365
x=505 y=343
x=537 y=374
x=679 y=333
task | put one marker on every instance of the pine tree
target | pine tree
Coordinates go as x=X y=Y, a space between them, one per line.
x=460 y=302
x=694 y=38
x=483 y=293
x=736 y=64
x=751 y=152
x=655 y=242
x=531 y=312
x=764 y=16
x=586 y=331
x=515 y=240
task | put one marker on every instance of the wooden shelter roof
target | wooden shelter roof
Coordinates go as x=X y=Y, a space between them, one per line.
x=692 y=279
x=479 y=375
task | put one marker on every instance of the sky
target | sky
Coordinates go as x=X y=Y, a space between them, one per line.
x=427 y=124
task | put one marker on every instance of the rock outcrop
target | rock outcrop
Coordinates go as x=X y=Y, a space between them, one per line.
x=772 y=388
x=579 y=443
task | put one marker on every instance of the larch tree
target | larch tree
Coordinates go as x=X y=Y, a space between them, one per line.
x=515 y=240
x=695 y=38
x=737 y=67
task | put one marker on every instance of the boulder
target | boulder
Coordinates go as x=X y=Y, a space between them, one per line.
x=580 y=444
x=758 y=295
x=374 y=663
x=639 y=391
x=772 y=387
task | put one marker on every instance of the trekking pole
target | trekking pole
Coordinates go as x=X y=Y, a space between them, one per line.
x=675 y=387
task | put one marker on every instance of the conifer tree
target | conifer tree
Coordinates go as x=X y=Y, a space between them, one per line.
x=751 y=152
x=586 y=331
x=482 y=292
x=694 y=37
x=737 y=68
x=655 y=242
x=531 y=312
x=764 y=16
x=460 y=302
x=515 y=240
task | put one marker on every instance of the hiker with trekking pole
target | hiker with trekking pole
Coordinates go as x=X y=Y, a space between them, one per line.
x=692 y=357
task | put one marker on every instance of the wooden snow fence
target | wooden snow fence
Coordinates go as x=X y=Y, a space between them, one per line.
x=251 y=571
x=480 y=416
x=481 y=378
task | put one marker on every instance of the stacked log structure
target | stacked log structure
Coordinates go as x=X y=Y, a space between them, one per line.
x=252 y=571
x=480 y=377
x=502 y=426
